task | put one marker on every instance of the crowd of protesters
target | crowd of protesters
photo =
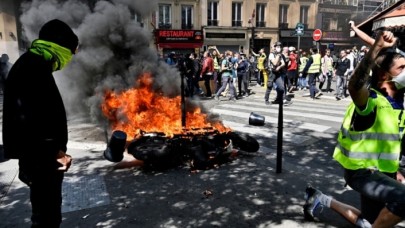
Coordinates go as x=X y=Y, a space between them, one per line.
x=212 y=74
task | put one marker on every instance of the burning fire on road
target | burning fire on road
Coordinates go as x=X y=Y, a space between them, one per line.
x=142 y=109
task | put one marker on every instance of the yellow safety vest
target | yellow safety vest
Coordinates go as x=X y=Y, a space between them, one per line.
x=378 y=147
x=260 y=61
x=303 y=62
x=316 y=64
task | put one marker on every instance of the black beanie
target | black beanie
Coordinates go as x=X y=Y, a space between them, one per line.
x=60 y=33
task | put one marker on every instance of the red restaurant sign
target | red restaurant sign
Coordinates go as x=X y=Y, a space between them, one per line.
x=179 y=36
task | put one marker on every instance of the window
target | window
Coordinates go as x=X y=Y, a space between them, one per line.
x=138 y=18
x=282 y=14
x=187 y=17
x=236 y=14
x=260 y=13
x=212 y=14
x=353 y=2
x=304 y=15
x=165 y=16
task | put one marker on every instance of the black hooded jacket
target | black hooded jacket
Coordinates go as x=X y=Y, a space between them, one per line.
x=34 y=116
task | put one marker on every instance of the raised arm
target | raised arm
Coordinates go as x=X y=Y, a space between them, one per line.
x=358 y=82
x=362 y=35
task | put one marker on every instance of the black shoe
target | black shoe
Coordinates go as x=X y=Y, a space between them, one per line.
x=275 y=101
x=338 y=98
x=267 y=102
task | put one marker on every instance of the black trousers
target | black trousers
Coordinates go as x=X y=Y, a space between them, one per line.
x=45 y=185
x=207 y=78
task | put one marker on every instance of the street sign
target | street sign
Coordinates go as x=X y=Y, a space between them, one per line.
x=299 y=29
x=317 y=35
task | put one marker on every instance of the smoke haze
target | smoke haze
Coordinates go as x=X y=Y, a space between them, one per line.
x=114 y=50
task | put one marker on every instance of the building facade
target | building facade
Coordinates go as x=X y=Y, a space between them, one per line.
x=186 y=26
x=239 y=25
x=9 y=36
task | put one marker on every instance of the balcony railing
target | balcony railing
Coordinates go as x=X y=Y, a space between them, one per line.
x=283 y=25
x=236 y=23
x=260 y=24
x=187 y=26
x=165 y=25
x=212 y=23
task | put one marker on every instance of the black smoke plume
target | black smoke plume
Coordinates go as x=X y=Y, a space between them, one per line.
x=114 y=49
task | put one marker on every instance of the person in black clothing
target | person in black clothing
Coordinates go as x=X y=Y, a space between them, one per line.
x=342 y=72
x=242 y=75
x=192 y=66
x=34 y=113
x=4 y=68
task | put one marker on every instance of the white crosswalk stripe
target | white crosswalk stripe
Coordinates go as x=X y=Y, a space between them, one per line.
x=321 y=115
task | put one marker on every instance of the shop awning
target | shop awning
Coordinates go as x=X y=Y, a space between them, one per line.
x=390 y=17
x=393 y=19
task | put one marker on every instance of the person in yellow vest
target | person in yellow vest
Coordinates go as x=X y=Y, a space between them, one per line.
x=302 y=81
x=369 y=142
x=327 y=71
x=261 y=67
x=312 y=69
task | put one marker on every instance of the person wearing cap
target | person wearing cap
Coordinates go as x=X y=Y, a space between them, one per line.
x=34 y=120
x=277 y=65
x=241 y=70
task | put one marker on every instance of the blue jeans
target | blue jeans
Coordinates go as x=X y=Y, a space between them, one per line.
x=279 y=83
x=341 y=82
x=225 y=81
x=312 y=84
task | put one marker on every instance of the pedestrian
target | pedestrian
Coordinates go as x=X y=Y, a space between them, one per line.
x=227 y=67
x=216 y=56
x=5 y=66
x=34 y=113
x=171 y=59
x=327 y=71
x=192 y=67
x=241 y=70
x=261 y=67
x=207 y=72
x=277 y=70
x=302 y=80
x=292 y=69
x=369 y=143
x=313 y=68
x=342 y=70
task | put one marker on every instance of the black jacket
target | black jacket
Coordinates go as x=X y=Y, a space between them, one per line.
x=34 y=116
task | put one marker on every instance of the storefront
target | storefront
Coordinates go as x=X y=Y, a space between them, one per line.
x=178 y=41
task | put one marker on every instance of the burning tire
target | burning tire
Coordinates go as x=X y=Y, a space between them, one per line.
x=155 y=152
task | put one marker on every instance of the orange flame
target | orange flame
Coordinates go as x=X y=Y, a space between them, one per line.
x=143 y=109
